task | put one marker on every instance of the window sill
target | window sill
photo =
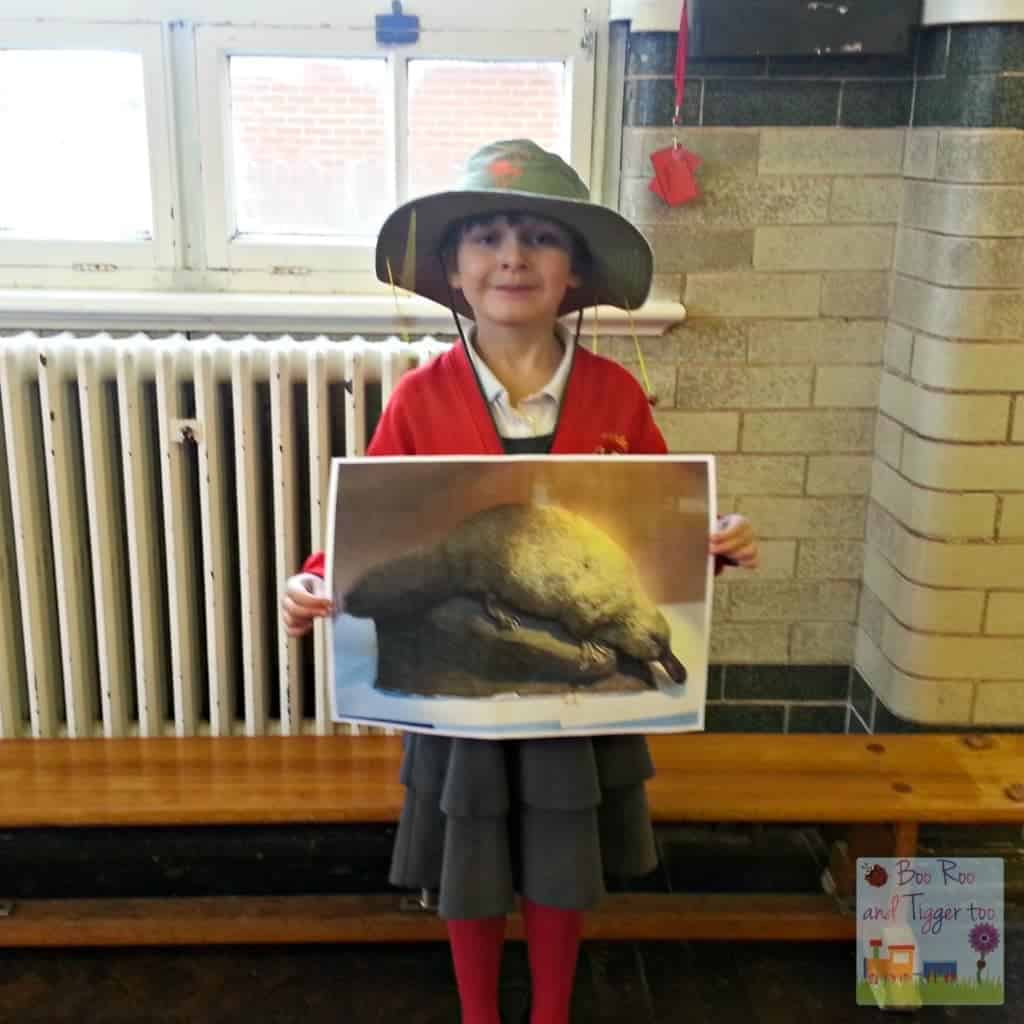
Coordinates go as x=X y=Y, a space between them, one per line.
x=38 y=309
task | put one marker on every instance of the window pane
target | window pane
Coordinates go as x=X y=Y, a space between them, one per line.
x=311 y=149
x=457 y=106
x=75 y=153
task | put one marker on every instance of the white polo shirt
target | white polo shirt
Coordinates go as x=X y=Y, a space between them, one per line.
x=536 y=414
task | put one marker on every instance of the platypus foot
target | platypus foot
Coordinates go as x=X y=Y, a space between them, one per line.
x=502 y=619
x=593 y=653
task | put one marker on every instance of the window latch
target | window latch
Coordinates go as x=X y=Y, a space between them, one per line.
x=397 y=28
x=588 y=40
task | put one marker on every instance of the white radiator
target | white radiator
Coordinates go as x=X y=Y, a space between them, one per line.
x=154 y=495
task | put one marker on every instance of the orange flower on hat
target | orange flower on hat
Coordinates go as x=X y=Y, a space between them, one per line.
x=503 y=172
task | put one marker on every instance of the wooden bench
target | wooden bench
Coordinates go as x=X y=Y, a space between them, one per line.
x=880 y=788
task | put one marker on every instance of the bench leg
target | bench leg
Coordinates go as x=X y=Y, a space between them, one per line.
x=840 y=877
x=425 y=902
x=905 y=844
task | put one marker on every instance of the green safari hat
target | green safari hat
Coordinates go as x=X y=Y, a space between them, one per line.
x=516 y=176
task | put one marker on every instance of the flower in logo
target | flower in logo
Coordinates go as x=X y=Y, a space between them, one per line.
x=983 y=938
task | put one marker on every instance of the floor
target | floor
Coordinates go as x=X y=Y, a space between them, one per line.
x=634 y=983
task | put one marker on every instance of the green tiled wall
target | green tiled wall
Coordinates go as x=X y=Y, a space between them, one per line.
x=963 y=75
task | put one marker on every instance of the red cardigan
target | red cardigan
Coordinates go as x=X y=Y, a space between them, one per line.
x=438 y=409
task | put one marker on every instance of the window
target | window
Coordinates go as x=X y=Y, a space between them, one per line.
x=313 y=152
x=312 y=138
x=86 y=175
x=78 y=119
x=457 y=106
x=225 y=147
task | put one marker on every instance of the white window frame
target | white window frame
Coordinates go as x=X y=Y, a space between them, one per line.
x=167 y=283
x=215 y=45
x=149 y=42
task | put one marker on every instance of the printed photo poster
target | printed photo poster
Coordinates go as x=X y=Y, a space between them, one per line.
x=513 y=597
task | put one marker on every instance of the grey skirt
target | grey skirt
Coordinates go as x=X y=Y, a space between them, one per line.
x=549 y=818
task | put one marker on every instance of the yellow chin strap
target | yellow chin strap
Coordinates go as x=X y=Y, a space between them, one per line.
x=408 y=275
x=409 y=260
x=651 y=397
x=398 y=308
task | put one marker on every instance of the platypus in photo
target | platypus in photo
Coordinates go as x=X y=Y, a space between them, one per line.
x=536 y=560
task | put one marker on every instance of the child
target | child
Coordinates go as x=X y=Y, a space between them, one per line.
x=516 y=246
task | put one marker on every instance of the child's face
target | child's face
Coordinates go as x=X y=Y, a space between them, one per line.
x=514 y=274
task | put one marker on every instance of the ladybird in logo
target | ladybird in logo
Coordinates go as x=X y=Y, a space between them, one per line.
x=877 y=876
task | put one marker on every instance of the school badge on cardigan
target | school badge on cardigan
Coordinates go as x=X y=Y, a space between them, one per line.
x=613 y=444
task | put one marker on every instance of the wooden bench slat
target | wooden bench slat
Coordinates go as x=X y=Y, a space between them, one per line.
x=931 y=801
x=338 y=779
x=702 y=798
x=332 y=918
x=786 y=753
x=851 y=780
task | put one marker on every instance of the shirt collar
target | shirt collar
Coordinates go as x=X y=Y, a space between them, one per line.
x=494 y=390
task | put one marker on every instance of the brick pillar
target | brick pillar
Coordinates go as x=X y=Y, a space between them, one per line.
x=940 y=635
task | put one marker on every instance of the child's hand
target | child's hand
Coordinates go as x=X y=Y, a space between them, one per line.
x=305 y=599
x=734 y=539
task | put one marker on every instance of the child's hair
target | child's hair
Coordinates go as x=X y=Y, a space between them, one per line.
x=581 y=260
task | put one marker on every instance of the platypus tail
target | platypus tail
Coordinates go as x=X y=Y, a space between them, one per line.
x=403 y=586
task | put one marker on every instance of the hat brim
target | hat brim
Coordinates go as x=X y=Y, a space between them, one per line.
x=622 y=261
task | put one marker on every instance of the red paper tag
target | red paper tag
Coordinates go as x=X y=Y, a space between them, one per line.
x=674 y=167
x=674 y=179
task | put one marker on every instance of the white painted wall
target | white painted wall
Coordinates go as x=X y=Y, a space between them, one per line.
x=950 y=12
x=645 y=15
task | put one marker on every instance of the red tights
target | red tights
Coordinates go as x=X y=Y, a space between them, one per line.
x=553 y=941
